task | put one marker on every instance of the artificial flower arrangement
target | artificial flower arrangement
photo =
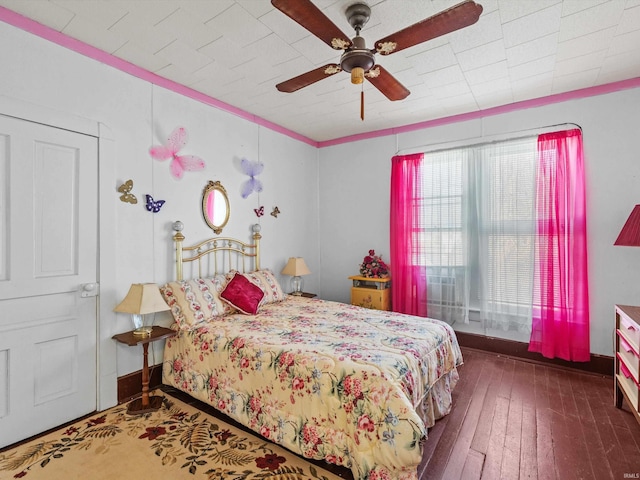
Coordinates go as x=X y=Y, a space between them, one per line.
x=373 y=266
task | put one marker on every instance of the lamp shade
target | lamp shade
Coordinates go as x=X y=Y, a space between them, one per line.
x=296 y=267
x=142 y=298
x=630 y=234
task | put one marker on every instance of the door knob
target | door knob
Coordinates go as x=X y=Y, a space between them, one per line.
x=89 y=290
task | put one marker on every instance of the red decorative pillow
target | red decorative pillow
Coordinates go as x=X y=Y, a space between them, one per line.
x=242 y=294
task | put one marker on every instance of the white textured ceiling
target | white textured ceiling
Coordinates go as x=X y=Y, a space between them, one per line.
x=236 y=51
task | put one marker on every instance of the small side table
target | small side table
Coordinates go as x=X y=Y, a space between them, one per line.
x=308 y=295
x=146 y=403
x=374 y=293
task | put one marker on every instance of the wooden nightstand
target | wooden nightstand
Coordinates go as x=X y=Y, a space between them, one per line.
x=145 y=403
x=627 y=358
x=372 y=293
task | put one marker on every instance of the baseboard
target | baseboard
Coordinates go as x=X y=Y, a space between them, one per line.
x=130 y=386
x=599 y=364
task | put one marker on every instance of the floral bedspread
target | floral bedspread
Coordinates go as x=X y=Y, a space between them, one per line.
x=353 y=386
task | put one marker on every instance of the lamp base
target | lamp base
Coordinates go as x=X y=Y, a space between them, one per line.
x=296 y=294
x=296 y=285
x=143 y=331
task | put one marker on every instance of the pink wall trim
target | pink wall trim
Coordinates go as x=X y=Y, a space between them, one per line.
x=28 y=25
x=31 y=26
x=536 y=102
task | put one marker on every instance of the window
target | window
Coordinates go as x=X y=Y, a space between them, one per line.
x=440 y=232
x=496 y=231
x=476 y=232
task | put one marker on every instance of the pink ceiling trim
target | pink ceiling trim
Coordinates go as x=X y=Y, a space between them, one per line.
x=536 y=102
x=31 y=26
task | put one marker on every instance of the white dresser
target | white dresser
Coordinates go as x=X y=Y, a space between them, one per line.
x=627 y=358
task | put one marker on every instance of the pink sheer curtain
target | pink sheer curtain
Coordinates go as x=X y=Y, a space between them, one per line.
x=409 y=290
x=560 y=326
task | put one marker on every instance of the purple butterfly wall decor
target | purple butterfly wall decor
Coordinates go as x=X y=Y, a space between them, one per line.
x=179 y=163
x=252 y=169
x=259 y=211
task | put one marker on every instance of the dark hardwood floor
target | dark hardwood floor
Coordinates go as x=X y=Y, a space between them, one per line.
x=514 y=419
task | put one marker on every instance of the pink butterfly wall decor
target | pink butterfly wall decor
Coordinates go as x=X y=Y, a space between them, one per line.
x=179 y=163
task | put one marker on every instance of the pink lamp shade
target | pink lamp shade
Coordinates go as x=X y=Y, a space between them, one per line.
x=630 y=234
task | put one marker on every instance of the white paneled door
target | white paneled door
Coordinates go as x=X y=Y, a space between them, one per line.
x=48 y=275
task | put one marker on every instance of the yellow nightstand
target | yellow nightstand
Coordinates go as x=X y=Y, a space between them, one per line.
x=372 y=293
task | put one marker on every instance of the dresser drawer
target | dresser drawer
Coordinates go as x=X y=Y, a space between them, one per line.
x=630 y=331
x=371 y=298
x=628 y=385
x=374 y=293
x=628 y=355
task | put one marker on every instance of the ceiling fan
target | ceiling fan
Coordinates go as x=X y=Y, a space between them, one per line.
x=359 y=60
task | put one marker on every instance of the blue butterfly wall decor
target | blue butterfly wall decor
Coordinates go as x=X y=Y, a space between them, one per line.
x=252 y=169
x=153 y=205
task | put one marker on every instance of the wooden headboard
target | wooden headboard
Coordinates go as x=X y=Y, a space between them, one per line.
x=216 y=255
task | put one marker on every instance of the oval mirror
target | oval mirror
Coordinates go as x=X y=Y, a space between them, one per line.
x=215 y=206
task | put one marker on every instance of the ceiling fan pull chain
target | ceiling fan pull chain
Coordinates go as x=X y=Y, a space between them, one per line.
x=362 y=104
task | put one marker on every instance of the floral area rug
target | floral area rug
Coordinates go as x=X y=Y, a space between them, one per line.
x=178 y=441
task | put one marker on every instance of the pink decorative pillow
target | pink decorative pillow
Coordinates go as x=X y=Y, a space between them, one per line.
x=242 y=294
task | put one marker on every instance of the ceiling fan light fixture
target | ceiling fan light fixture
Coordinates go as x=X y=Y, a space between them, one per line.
x=357 y=75
x=355 y=58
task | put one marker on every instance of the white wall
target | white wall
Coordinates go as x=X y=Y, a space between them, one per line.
x=334 y=201
x=138 y=115
x=354 y=196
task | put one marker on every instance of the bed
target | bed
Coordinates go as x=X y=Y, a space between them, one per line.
x=353 y=386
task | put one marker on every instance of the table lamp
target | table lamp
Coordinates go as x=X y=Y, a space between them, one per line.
x=296 y=268
x=142 y=299
x=630 y=234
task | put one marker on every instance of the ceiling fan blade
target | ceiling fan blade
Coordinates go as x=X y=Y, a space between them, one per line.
x=306 y=79
x=447 y=21
x=386 y=83
x=311 y=17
